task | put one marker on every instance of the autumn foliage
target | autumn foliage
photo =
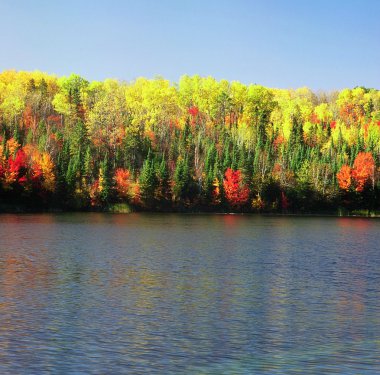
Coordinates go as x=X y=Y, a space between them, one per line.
x=122 y=182
x=363 y=170
x=236 y=192
x=361 y=174
x=199 y=144
x=16 y=169
x=344 y=177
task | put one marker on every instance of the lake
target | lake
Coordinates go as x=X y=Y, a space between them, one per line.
x=93 y=293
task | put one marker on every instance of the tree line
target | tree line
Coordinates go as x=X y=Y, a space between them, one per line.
x=199 y=144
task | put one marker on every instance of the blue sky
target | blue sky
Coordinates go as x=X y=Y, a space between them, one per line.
x=322 y=44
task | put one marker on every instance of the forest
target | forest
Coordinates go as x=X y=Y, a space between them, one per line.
x=199 y=145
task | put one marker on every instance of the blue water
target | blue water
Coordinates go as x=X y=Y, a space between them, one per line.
x=189 y=294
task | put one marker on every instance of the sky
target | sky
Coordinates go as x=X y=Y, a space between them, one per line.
x=322 y=44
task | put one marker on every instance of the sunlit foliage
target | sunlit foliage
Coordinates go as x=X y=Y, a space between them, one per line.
x=201 y=144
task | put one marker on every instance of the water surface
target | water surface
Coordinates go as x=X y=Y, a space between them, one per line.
x=188 y=294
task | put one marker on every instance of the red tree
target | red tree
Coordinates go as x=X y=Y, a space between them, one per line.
x=193 y=111
x=122 y=182
x=236 y=192
x=363 y=170
x=17 y=168
x=344 y=177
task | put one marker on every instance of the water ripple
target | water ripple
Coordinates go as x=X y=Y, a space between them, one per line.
x=172 y=294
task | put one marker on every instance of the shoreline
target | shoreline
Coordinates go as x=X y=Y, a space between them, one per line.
x=361 y=213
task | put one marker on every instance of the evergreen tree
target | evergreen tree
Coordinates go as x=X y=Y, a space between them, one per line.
x=148 y=180
x=183 y=182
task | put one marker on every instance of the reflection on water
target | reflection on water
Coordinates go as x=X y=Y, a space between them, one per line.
x=212 y=294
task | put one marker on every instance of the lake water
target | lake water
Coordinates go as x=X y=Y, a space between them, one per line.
x=189 y=294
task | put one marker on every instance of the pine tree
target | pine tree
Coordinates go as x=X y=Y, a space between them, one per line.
x=148 y=180
x=163 y=180
x=183 y=182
